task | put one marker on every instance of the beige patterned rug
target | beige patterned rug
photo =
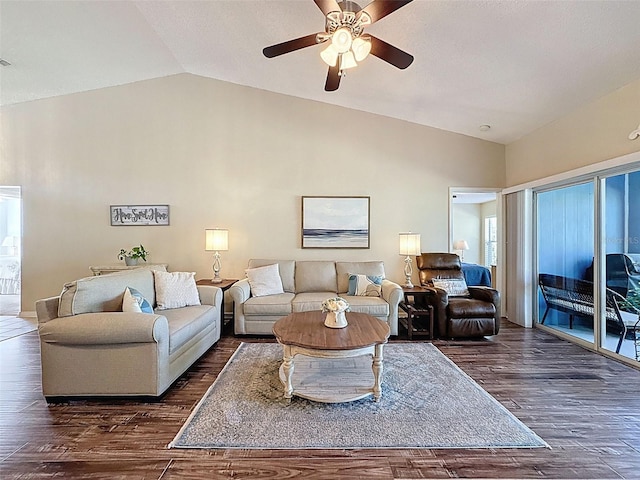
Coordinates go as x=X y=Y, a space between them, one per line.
x=427 y=402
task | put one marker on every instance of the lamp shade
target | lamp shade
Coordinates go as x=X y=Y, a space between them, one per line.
x=460 y=245
x=342 y=39
x=216 y=239
x=330 y=55
x=10 y=241
x=361 y=48
x=410 y=244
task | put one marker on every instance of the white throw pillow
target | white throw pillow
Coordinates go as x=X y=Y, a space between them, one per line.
x=453 y=286
x=265 y=280
x=175 y=289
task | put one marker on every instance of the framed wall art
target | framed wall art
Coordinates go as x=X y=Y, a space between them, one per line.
x=142 y=215
x=335 y=222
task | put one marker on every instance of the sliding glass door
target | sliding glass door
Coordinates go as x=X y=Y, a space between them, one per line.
x=588 y=264
x=565 y=240
x=622 y=261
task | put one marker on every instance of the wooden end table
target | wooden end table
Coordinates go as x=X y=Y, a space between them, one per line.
x=224 y=285
x=419 y=321
x=304 y=333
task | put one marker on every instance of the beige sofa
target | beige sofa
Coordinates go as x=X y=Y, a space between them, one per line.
x=306 y=284
x=89 y=347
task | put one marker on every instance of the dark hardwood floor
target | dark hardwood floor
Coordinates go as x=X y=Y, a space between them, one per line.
x=585 y=406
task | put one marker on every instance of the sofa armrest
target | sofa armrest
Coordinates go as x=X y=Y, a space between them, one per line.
x=106 y=328
x=210 y=295
x=392 y=293
x=240 y=291
x=47 y=309
x=486 y=294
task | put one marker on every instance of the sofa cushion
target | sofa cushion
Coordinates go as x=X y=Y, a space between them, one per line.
x=103 y=293
x=264 y=280
x=185 y=323
x=375 y=306
x=286 y=269
x=269 y=305
x=344 y=269
x=316 y=276
x=365 y=285
x=176 y=289
x=133 y=301
x=310 y=301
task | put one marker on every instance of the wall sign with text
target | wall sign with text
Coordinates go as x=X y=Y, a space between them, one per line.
x=145 y=215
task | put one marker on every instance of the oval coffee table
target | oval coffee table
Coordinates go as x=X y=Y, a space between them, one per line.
x=304 y=334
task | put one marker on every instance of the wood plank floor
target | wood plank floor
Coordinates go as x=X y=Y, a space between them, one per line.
x=585 y=406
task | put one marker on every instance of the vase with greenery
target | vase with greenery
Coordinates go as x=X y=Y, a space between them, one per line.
x=132 y=256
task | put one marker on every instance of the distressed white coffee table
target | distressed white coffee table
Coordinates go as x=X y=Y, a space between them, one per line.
x=329 y=375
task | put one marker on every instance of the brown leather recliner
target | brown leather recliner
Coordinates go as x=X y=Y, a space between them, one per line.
x=475 y=315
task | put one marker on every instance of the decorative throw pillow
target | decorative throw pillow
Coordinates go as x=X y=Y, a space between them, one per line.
x=175 y=289
x=265 y=280
x=133 y=301
x=365 y=285
x=455 y=287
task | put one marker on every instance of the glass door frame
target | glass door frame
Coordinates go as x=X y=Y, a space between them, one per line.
x=598 y=179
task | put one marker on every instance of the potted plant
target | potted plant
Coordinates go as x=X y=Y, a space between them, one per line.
x=131 y=257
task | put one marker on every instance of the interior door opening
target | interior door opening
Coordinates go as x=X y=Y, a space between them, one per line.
x=474 y=225
x=10 y=249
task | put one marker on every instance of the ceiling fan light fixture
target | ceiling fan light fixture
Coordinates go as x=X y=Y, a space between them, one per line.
x=361 y=48
x=330 y=55
x=347 y=60
x=342 y=40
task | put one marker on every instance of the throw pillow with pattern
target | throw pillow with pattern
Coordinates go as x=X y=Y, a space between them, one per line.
x=365 y=285
x=455 y=287
x=133 y=301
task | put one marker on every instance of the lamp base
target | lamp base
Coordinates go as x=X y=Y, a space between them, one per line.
x=216 y=280
x=408 y=272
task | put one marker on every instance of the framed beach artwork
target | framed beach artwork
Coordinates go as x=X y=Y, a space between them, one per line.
x=335 y=222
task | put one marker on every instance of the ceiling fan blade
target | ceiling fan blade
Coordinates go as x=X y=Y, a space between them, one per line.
x=390 y=54
x=290 y=46
x=328 y=6
x=381 y=8
x=333 y=79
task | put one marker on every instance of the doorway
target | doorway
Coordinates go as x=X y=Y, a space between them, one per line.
x=10 y=249
x=474 y=228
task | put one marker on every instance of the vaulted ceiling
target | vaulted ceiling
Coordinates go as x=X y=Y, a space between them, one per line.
x=512 y=64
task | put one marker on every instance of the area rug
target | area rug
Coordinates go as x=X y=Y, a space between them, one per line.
x=427 y=402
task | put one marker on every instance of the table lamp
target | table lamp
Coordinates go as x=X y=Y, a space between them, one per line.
x=216 y=240
x=409 y=246
x=461 y=245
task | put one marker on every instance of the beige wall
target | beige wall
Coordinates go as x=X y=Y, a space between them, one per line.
x=596 y=132
x=221 y=155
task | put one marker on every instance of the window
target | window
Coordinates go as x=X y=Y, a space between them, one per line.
x=491 y=241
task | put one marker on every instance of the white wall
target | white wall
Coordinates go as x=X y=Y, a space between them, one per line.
x=220 y=155
x=466 y=225
x=596 y=132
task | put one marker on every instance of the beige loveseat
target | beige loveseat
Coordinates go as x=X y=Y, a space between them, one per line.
x=306 y=284
x=89 y=347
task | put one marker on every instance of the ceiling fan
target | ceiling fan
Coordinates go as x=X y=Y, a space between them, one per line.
x=348 y=44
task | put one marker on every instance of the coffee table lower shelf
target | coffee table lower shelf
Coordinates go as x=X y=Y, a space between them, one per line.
x=331 y=380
